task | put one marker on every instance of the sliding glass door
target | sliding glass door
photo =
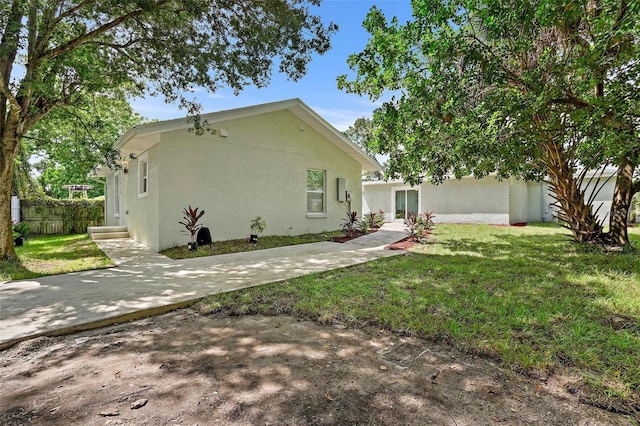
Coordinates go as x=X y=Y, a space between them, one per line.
x=406 y=201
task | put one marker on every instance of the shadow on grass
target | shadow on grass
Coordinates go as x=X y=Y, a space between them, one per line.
x=8 y=270
x=537 y=302
x=52 y=255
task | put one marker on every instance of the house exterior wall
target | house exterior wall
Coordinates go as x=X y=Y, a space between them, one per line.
x=142 y=212
x=603 y=198
x=518 y=201
x=536 y=208
x=376 y=196
x=467 y=200
x=541 y=203
x=258 y=169
x=487 y=200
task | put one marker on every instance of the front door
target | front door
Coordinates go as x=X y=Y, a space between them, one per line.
x=406 y=202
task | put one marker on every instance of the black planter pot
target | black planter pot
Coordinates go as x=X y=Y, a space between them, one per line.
x=193 y=246
x=253 y=238
x=18 y=241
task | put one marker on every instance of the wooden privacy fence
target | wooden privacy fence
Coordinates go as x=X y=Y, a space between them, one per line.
x=61 y=216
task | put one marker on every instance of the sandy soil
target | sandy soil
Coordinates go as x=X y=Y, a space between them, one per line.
x=185 y=369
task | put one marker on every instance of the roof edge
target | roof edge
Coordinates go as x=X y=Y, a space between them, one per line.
x=367 y=162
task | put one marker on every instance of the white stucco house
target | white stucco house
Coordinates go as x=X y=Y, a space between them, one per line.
x=279 y=160
x=471 y=200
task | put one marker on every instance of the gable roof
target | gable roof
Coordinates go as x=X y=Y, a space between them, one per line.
x=140 y=138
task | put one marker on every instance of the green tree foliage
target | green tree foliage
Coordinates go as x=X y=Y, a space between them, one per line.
x=53 y=53
x=24 y=185
x=362 y=133
x=530 y=89
x=73 y=140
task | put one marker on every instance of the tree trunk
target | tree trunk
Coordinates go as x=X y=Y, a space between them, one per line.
x=10 y=137
x=622 y=195
x=573 y=211
x=8 y=153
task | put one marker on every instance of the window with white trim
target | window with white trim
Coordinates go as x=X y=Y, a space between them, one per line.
x=143 y=176
x=316 y=183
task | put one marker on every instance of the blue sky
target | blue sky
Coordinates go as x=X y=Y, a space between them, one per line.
x=318 y=88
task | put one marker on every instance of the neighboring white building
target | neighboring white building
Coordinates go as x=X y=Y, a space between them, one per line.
x=257 y=162
x=470 y=200
x=15 y=209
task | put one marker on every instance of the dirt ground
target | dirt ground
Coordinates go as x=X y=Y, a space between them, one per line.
x=182 y=368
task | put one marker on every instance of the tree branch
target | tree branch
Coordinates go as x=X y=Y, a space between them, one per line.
x=73 y=44
x=571 y=100
x=117 y=46
x=46 y=35
x=510 y=73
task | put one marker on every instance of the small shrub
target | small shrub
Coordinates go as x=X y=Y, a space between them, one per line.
x=374 y=220
x=257 y=225
x=21 y=229
x=190 y=221
x=419 y=225
x=350 y=224
x=411 y=224
x=364 y=226
x=425 y=223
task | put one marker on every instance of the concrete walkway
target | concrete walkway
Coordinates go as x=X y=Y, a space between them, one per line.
x=146 y=283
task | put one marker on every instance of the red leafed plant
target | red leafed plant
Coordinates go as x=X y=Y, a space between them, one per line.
x=190 y=221
x=350 y=223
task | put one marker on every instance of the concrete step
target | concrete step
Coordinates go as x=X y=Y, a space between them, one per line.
x=104 y=229
x=107 y=232
x=109 y=235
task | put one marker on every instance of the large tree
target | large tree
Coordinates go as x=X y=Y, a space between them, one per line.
x=52 y=52
x=532 y=89
x=73 y=140
x=362 y=132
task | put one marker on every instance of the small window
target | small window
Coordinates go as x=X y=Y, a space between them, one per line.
x=315 y=191
x=116 y=195
x=143 y=176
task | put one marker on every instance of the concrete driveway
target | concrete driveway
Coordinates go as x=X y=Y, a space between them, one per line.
x=146 y=283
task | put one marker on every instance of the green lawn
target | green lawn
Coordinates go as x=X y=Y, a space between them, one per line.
x=526 y=296
x=54 y=254
x=236 y=246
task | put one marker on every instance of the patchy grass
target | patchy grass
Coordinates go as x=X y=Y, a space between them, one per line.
x=526 y=296
x=237 y=246
x=54 y=254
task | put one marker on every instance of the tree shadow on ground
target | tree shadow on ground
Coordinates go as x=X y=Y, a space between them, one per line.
x=537 y=302
x=264 y=370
